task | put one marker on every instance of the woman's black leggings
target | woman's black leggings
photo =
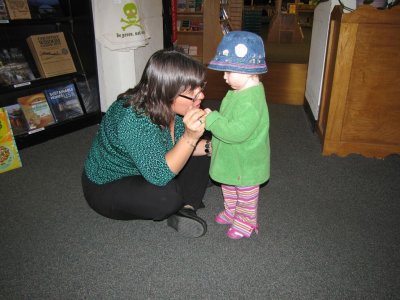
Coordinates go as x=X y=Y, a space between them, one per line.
x=135 y=198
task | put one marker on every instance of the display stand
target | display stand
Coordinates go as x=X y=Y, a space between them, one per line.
x=77 y=25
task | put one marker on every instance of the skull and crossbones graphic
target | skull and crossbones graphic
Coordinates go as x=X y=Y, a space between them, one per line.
x=130 y=11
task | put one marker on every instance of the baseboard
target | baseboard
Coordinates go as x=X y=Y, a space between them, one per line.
x=310 y=115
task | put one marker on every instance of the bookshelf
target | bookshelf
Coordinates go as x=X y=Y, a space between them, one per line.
x=203 y=26
x=76 y=24
x=190 y=27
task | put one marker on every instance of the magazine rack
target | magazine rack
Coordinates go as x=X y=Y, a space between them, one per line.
x=77 y=25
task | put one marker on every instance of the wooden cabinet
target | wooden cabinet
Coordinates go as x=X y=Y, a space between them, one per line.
x=360 y=102
x=77 y=26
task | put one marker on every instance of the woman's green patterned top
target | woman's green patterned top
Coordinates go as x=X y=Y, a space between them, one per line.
x=128 y=144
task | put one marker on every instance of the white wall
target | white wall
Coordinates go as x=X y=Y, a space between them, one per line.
x=119 y=70
x=153 y=15
x=316 y=62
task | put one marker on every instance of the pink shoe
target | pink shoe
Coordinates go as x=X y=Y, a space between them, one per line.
x=221 y=219
x=236 y=235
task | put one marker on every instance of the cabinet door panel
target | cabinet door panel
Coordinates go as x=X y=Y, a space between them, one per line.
x=373 y=105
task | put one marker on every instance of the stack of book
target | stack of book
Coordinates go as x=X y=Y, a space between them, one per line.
x=29 y=9
x=192 y=6
x=34 y=112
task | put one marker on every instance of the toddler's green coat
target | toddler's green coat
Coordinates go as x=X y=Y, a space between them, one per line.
x=240 y=142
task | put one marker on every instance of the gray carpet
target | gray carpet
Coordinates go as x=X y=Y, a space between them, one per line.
x=329 y=229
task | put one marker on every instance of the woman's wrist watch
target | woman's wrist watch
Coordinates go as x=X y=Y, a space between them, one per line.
x=207 y=148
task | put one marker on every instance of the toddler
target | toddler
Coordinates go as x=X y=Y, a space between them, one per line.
x=240 y=132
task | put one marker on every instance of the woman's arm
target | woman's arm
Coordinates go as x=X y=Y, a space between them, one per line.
x=201 y=148
x=177 y=157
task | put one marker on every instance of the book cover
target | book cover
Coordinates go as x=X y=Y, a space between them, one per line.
x=14 y=68
x=36 y=110
x=198 y=5
x=45 y=9
x=64 y=102
x=4 y=16
x=190 y=5
x=89 y=94
x=51 y=53
x=9 y=156
x=18 y=9
x=181 y=5
x=17 y=119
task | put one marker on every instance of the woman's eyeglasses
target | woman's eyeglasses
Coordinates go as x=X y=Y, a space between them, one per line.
x=194 y=98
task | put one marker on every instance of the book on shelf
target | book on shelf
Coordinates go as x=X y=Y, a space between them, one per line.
x=223 y=15
x=18 y=9
x=51 y=54
x=87 y=89
x=9 y=156
x=190 y=5
x=64 y=102
x=14 y=68
x=196 y=25
x=45 y=9
x=36 y=110
x=193 y=50
x=4 y=16
x=184 y=25
x=198 y=6
x=17 y=119
x=183 y=47
x=226 y=27
x=181 y=5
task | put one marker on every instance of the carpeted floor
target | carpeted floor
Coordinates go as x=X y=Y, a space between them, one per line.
x=329 y=229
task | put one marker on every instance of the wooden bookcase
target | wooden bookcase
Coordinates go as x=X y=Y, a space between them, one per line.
x=210 y=34
x=190 y=28
x=360 y=103
x=77 y=25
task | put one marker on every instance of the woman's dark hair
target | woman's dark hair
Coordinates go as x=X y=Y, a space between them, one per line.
x=167 y=74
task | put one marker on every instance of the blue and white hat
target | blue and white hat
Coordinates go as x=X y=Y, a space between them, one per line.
x=240 y=52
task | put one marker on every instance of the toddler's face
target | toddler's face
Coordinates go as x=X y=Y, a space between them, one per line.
x=238 y=81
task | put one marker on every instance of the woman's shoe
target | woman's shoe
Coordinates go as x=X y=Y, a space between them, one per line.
x=188 y=223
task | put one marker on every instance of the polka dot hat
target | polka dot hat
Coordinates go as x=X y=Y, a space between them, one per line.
x=240 y=52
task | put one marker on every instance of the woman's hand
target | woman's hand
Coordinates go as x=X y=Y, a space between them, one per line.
x=194 y=121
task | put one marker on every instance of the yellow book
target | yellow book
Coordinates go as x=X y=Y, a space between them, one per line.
x=292 y=8
x=9 y=156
